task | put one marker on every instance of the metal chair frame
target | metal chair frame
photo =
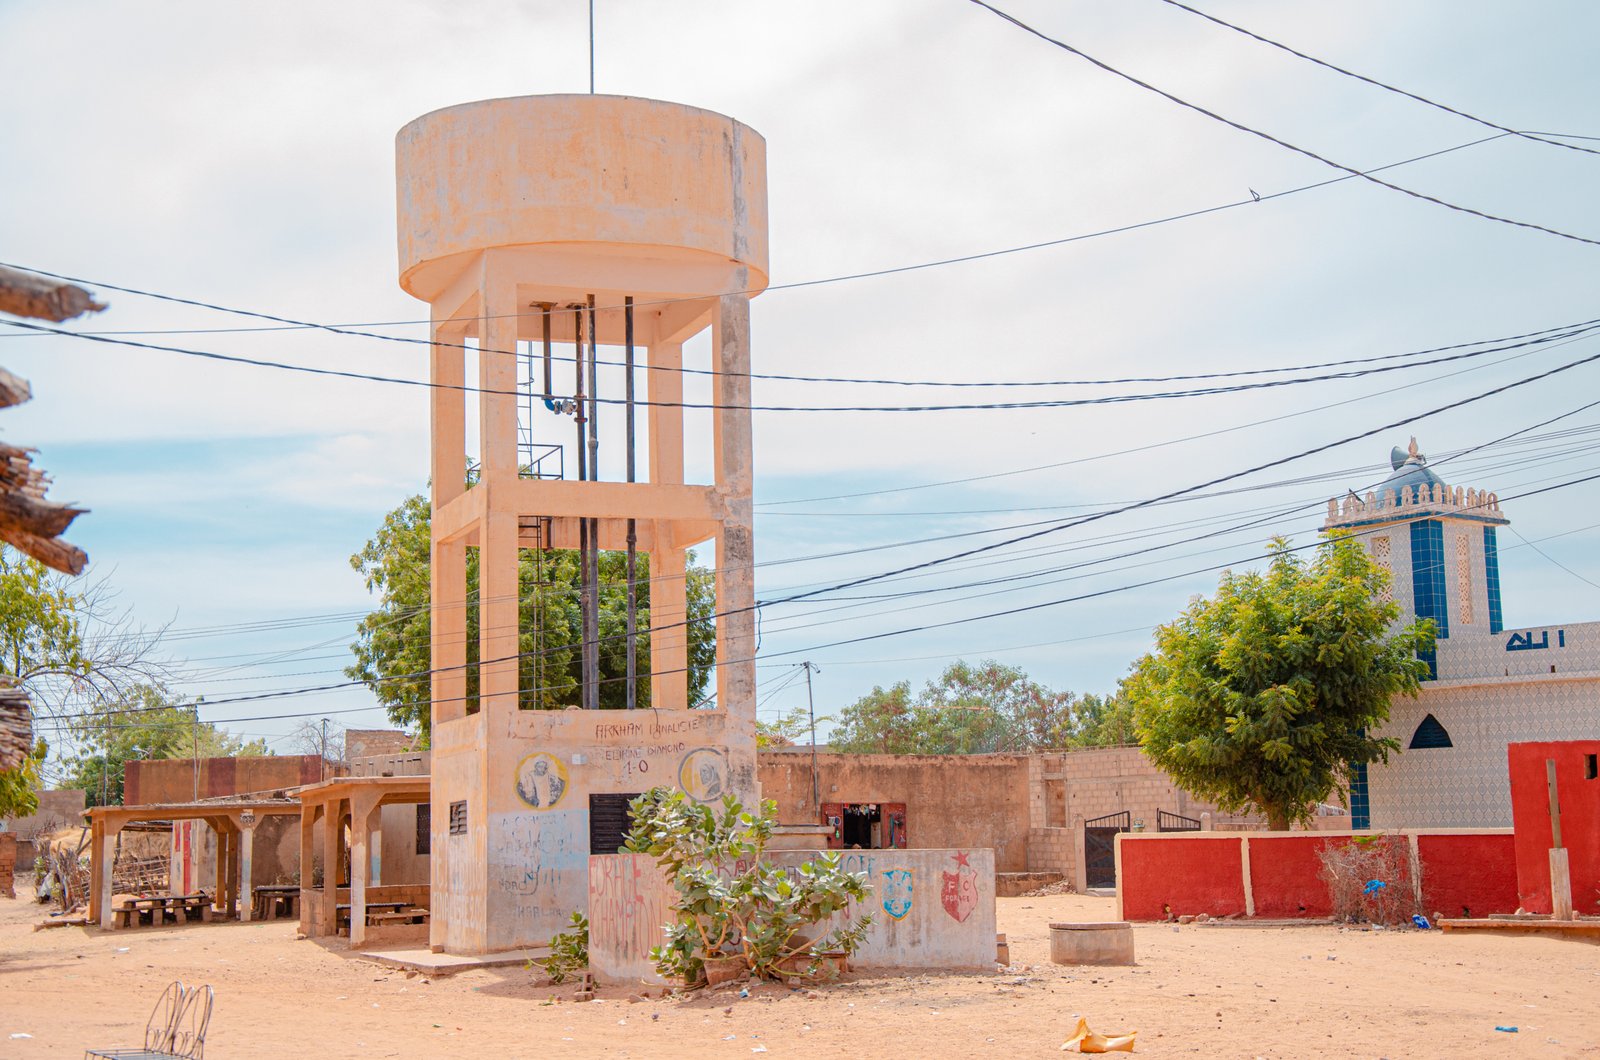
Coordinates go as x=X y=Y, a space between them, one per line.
x=176 y=1029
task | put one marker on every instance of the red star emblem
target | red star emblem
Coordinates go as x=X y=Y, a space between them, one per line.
x=961 y=859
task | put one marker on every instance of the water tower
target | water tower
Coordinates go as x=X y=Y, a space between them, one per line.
x=556 y=238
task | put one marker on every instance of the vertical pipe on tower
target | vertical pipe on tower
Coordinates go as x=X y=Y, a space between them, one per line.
x=549 y=384
x=633 y=539
x=592 y=632
x=581 y=416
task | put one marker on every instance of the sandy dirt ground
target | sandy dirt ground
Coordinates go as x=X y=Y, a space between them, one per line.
x=1212 y=990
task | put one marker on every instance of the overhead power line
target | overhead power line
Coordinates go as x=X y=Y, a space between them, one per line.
x=62 y=720
x=938 y=561
x=987 y=406
x=1214 y=432
x=1536 y=137
x=1213 y=115
x=291 y=324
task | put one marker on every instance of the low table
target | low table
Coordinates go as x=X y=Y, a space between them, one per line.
x=159 y=909
x=276 y=900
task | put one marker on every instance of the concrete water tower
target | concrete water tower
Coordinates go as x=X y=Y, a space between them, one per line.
x=555 y=237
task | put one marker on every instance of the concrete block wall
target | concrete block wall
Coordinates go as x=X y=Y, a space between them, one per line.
x=1052 y=850
x=951 y=800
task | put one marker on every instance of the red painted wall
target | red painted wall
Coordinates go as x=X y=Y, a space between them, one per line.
x=1580 y=822
x=1159 y=874
x=1188 y=875
x=1468 y=875
x=168 y=780
x=1283 y=876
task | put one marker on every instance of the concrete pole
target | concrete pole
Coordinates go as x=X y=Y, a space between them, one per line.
x=447 y=576
x=361 y=809
x=219 y=867
x=308 y=825
x=328 y=913
x=736 y=624
x=232 y=869
x=669 y=638
x=1080 y=857
x=1560 y=869
x=108 y=857
x=247 y=846
x=498 y=602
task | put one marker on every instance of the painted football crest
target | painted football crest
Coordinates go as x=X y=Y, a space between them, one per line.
x=897 y=892
x=959 y=890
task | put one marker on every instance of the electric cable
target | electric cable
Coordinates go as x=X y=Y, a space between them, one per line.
x=1050 y=403
x=1065 y=525
x=292 y=324
x=1535 y=137
x=853 y=640
x=1367 y=176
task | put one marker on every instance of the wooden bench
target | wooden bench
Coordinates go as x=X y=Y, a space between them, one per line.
x=274 y=901
x=342 y=918
x=410 y=915
x=174 y=908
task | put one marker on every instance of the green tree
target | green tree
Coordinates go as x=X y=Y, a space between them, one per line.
x=41 y=624
x=787 y=728
x=891 y=722
x=1262 y=697
x=1103 y=721
x=19 y=787
x=64 y=640
x=968 y=709
x=392 y=646
x=147 y=723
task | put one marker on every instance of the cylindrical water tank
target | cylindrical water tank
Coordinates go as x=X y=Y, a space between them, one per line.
x=566 y=177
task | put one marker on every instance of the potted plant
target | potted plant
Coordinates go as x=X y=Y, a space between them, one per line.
x=738 y=914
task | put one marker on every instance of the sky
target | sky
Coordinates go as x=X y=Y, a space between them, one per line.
x=244 y=156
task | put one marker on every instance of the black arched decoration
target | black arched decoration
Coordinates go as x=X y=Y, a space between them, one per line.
x=1430 y=734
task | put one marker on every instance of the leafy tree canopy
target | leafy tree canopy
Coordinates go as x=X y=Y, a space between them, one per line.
x=66 y=642
x=19 y=787
x=392 y=646
x=148 y=722
x=1261 y=697
x=973 y=710
x=41 y=624
x=786 y=729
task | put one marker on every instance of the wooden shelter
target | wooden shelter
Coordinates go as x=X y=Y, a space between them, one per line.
x=234 y=821
x=353 y=803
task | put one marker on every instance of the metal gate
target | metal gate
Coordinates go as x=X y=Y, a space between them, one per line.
x=1175 y=822
x=1099 y=847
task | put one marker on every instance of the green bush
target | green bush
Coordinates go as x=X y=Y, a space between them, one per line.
x=730 y=902
x=569 y=951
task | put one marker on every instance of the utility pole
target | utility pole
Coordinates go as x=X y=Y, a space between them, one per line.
x=811 y=709
x=323 y=764
x=194 y=736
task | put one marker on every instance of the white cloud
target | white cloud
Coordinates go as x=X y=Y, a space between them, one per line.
x=244 y=156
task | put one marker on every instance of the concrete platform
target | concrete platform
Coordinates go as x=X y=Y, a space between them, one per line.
x=426 y=962
x=1587 y=929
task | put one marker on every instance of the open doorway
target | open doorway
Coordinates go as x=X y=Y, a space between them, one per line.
x=866 y=825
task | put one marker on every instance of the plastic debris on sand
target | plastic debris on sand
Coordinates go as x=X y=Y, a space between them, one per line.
x=1084 y=1040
